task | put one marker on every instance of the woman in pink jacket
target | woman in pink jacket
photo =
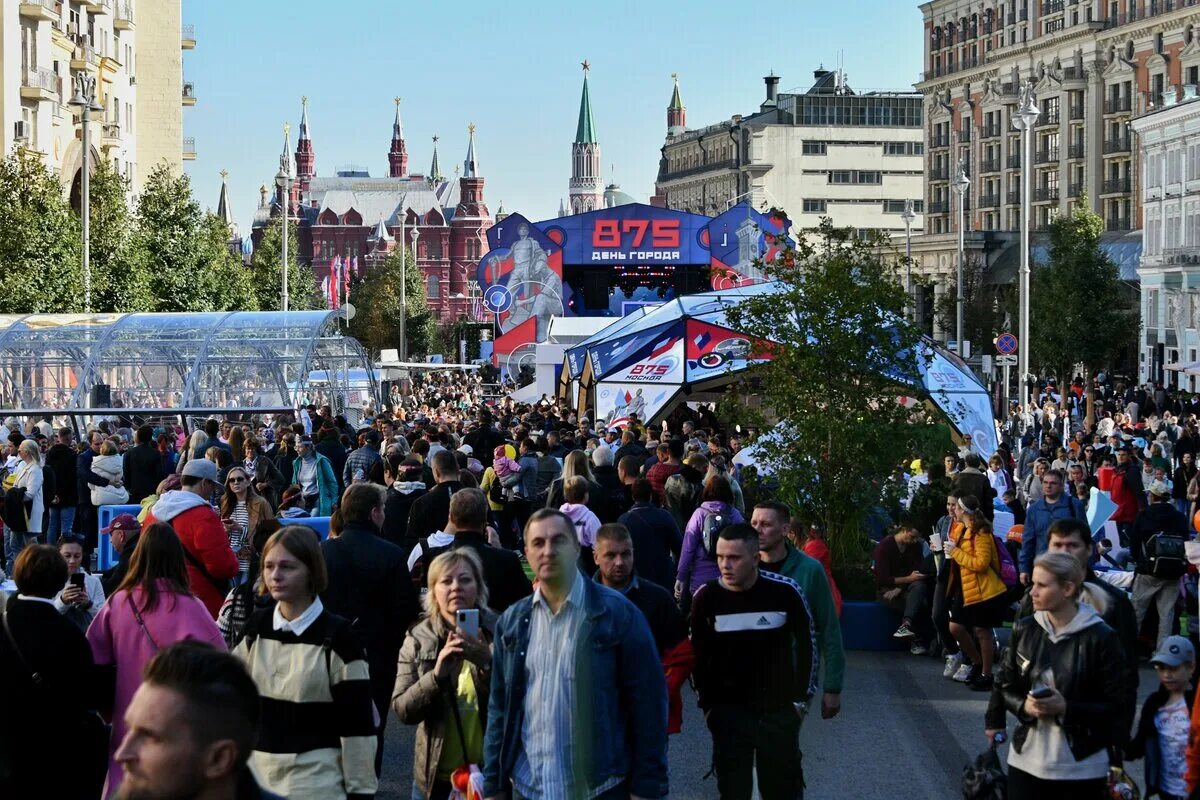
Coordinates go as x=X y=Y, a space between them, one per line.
x=152 y=608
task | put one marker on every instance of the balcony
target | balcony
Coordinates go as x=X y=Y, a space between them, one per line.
x=1076 y=112
x=1014 y=198
x=1117 y=224
x=990 y=131
x=123 y=21
x=1075 y=190
x=47 y=10
x=939 y=141
x=1047 y=156
x=964 y=135
x=1046 y=194
x=989 y=201
x=1113 y=146
x=110 y=135
x=989 y=165
x=85 y=56
x=939 y=174
x=39 y=83
x=1151 y=9
x=1117 y=105
x=189 y=93
x=101 y=7
x=92 y=6
x=1052 y=7
x=939 y=207
x=1116 y=186
x=1014 y=160
x=189 y=148
x=1076 y=151
x=188 y=37
x=1047 y=120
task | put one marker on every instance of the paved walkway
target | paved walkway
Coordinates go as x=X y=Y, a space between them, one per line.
x=904 y=731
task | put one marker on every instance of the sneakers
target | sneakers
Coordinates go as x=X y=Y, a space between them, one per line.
x=963 y=673
x=980 y=682
x=953 y=662
x=903 y=632
x=918 y=649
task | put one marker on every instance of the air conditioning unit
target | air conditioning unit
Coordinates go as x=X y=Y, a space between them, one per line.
x=21 y=130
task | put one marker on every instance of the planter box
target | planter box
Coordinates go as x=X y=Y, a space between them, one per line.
x=869 y=626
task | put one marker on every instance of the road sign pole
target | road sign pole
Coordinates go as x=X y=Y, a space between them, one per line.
x=1007 y=401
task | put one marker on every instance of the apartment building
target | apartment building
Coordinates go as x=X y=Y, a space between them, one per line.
x=133 y=48
x=1094 y=64
x=827 y=151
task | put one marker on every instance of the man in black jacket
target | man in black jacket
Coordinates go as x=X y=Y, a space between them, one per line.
x=1156 y=545
x=484 y=439
x=614 y=554
x=369 y=585
x=142 y=466
x=123 y=533
x=61 y=459
x=655 y=535
x=1072 y=536
x=431 y=511
x=506 y=581
x=971 y=481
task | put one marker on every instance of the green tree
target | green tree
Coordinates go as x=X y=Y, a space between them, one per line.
x=39 y=240
x=267 y=272
x=984 y=306
x=120 y=278
x=376 y=299
x=1077 y=311
x=842 y=351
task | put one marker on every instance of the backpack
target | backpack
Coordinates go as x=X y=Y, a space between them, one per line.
x=1165 y=557
x=1008 y=570
x=710 y=531
x=496 y=491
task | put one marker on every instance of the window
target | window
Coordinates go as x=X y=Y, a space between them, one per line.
x=813 y=148
x=855 y=176
x=903 y=148
x=814 y=206
x=431 y=286
x=897 y=206
x=841 y=176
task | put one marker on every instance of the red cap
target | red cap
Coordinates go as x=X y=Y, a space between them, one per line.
x=124 y=522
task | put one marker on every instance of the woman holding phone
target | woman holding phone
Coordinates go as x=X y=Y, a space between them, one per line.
x=242 y=509
x=445 y=673
x=83 y=596
x=1058 y=681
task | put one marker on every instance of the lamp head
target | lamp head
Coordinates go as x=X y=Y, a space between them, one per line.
x=907 y=215
x=281 y=179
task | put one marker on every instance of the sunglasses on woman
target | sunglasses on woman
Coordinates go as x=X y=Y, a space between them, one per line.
x=237 y=479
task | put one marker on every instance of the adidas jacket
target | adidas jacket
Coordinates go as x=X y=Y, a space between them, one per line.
x=756 y=647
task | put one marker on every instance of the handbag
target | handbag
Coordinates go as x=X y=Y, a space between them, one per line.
x=984 y=779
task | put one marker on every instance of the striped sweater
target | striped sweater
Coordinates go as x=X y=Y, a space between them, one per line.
x=318 y=724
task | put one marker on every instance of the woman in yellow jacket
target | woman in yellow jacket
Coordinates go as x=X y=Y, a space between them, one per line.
x=976 y=594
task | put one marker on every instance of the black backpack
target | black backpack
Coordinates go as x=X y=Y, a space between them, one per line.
x=1165 y=556
x=710 y=531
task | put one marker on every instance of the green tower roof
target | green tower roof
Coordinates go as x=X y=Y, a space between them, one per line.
x=676 y=100
x=586 y=132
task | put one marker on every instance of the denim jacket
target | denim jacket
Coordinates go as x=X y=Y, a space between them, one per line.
x=622 y=696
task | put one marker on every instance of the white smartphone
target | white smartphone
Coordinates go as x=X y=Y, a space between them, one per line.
x=468 y=621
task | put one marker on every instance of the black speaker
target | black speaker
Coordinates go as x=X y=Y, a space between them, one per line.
x=595 y=288
x=689 y=280
x=101 y=396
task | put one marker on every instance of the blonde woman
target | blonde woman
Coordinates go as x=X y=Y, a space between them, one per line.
x=445 y=674
x=976 y=594
x=576 y=464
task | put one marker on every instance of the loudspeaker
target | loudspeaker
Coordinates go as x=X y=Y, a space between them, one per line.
x=101 y=396
x=595 y=288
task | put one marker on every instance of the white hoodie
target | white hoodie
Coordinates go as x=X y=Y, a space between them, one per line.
x=174 y=503
x=1045 y=753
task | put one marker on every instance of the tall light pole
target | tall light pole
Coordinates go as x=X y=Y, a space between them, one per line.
x=283 y=181
x=85 y=100
x=1026 y=117
x=908 y=216
x=415 y=236
x=962 y=185
x=403 y=285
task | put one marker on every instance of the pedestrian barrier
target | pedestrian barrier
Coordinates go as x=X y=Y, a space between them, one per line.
x=869 y=626
x=106 y=557
x=318 y=524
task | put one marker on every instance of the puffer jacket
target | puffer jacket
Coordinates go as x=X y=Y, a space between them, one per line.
x=978 y=572
x=110 y=468
x=1079 y=662
x=420 y=700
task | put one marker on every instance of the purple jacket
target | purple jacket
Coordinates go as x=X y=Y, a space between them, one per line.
x=696 y=568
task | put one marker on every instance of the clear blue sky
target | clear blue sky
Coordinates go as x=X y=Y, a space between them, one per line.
x=512 y=69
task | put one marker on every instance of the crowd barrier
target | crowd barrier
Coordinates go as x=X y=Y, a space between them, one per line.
x=869 y=626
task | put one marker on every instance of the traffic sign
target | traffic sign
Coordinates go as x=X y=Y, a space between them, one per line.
x=1006 y=344
x=497 y=298
x=1006 y=361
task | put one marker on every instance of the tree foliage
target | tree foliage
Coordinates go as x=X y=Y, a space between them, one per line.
x=39 y=239
x=376 y=299
x=267 y=273
x=121 y=279
x=843 y=351
x=984 y=306
x=1077 y=313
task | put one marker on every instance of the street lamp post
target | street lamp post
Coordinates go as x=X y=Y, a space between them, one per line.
x=283 y=180
x=416 y=234
x=962 y=184
x=85 y=100
x=908 y=216
x=1026 y=117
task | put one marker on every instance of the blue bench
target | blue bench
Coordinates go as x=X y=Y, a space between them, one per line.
x=106 y=557
x=869 y=626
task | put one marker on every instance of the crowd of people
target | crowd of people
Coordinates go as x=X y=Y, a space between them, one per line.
x=529 y=591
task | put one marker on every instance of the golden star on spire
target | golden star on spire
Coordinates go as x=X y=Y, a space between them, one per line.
x=675 y=77
x=397 y=99
x=471 y=128
x=304 y=100
x=435 y=138
x=287 y=128
x=586 y=65
x=224 y=174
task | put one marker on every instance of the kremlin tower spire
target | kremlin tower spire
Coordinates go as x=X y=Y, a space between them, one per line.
x=468 y=239
x=398 y=155
x=676 y=111
x=435 y=169
x=586 y=186
x=306 y=159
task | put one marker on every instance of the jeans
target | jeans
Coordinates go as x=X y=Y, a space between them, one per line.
x=14 y=543
x=768 y=742
x=1163 y=593
x=62 y=520
x=913 y=603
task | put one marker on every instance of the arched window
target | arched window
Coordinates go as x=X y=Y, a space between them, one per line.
x=431 y=286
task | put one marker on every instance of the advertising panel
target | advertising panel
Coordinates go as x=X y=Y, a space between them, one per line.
x=616 y=401
x=632 y=234
x=659 y=362
x=737 y=239
x=714 y=351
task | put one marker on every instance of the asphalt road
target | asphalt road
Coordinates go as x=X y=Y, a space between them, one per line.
x=904 y=732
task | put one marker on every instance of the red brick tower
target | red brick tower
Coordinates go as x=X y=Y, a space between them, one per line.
x=398 y=155
x=468 y=230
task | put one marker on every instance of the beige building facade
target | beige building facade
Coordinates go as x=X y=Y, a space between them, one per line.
x=133 y=49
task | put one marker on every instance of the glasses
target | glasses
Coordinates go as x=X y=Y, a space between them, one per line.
x=236 y=479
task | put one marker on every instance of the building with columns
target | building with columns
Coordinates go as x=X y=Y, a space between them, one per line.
x=133 y=49
x=360 y=219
